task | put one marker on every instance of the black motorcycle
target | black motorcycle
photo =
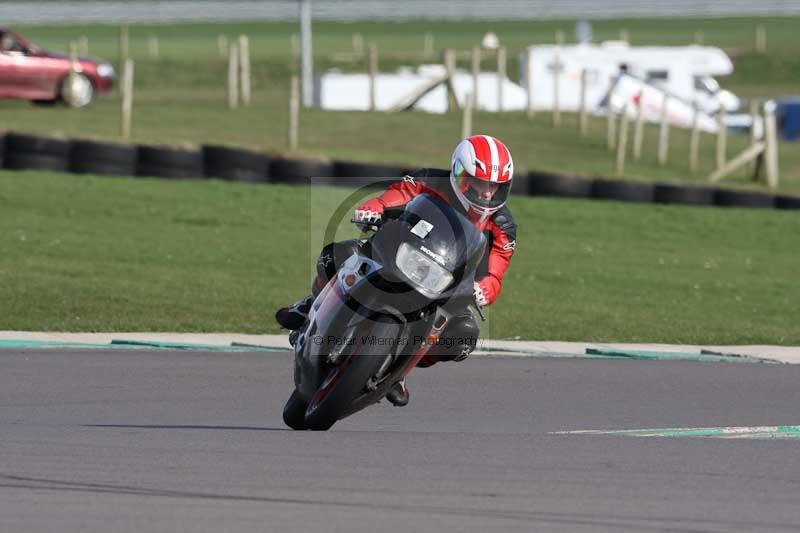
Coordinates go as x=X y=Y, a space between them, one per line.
x=382 y=312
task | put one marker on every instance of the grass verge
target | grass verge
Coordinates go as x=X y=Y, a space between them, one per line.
x=81 y=253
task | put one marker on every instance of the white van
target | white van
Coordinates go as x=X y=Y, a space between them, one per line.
x=684 y=72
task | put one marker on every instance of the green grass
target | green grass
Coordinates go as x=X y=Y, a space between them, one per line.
x=82 y=253
x=180 y=98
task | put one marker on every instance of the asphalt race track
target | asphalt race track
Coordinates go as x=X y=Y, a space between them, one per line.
x=127 y=440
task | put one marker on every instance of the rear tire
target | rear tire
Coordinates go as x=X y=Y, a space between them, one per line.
x=294 y=412
x=365 y=362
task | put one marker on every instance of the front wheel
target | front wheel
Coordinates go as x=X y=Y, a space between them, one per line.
x=346 y=382
x=294 y=412
x=77 y=90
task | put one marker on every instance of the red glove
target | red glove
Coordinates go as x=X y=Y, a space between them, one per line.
x=368 y=214
x=480 y=295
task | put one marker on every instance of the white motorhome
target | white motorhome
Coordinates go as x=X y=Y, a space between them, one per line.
x=684 y=72
x=637 y=78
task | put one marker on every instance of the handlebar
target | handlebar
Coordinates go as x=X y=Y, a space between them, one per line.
x=367 y=226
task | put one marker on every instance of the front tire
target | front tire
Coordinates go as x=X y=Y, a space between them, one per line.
x=294 y=412
x=346 y=382
x=76 y=90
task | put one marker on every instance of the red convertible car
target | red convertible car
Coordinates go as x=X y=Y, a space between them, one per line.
x=30 y=73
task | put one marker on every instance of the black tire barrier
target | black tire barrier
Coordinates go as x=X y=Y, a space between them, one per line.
x=624 y=191
x=737 y=198
x=667 y=193
x=299 y=171
x=32 y=152
x=235 y=164
x=355 y=174
x=165 y=162
x=787 y=202
x=521 y=185
x=22 y=151
x=547 y=184
x=108 y=159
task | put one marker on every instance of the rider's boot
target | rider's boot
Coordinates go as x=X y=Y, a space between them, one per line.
x=294 y=316
x=293 y=336
x=399 y=395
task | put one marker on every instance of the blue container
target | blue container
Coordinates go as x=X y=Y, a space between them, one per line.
x=788 y=115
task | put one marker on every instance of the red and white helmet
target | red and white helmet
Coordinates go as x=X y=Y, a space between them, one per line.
x=481 y=174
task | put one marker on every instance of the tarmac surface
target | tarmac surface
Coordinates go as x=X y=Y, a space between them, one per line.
x=160 y=440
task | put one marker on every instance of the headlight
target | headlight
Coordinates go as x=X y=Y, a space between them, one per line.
x=105 y=70
x=428 y=276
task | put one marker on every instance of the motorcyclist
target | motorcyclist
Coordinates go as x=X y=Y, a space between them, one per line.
x=478 y=184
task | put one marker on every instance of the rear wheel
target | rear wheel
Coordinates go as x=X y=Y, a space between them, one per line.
x=347 y=382
x=294 y=412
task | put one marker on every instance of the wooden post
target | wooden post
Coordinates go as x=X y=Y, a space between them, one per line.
x=583 y=117
x=449 y=60
x=638 y=132
x=152 y=46
x=753 y=120
x=127 y=99
x=476 y=72
x=752 y=152
x=294 y=112
x=466 y=121
x=611 y=137
x=663 y=134
x=557 y=89
x=501 y=77
x=694 y=141
x=123 y=44
x=222 y=45
x=761 y=39
x=529 y=81
x=358 y=44
x=699 y=37
x=428 y=49
x=74 y=67
x=73 y=58
x=771 y=142
x=244 y=69
x=295 y=46
x=559 y=37
x=623 y=141
x=373 y=75
x=233 y=76
x=722 y=139
x=83 y=45
x=624 y=35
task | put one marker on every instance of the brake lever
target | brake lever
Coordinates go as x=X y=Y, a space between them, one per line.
x=479 y=309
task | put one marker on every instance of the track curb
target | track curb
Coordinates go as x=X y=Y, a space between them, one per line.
x=486 y=347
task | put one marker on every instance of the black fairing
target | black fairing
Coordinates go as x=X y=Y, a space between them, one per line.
x=384 y=294
x=453 y=237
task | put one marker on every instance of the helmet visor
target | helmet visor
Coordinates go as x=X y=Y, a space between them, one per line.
x=484 y=193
